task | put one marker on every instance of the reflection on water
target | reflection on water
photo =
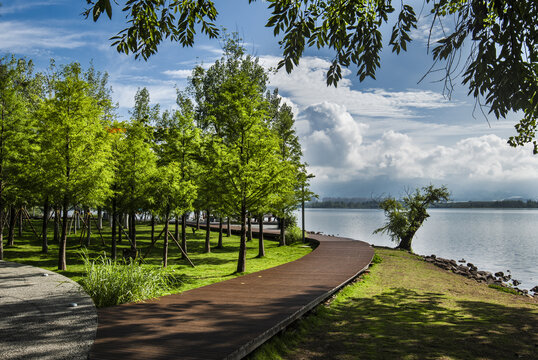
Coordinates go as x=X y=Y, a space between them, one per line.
x=492 y=239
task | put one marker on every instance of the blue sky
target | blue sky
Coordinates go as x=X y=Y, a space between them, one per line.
x=364 y=139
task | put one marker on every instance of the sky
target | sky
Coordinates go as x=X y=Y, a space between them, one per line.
x=371 y=139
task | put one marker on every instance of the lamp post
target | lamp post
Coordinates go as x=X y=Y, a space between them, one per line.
x=309 y=176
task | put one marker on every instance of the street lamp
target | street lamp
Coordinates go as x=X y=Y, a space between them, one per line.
x=309 y=176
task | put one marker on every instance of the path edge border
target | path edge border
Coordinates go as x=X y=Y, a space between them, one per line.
x=268 y=334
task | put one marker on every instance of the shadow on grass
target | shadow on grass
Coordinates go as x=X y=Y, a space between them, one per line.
x=401 y=323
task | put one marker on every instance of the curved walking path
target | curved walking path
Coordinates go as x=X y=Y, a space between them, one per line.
x=228 y=320
x=38 y=319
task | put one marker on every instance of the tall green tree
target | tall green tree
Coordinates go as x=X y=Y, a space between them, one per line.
x=178 y=140
x=17 y=133
x=406 y=217
x=281 y=121
x=171 y=194
x=136 y=160
x=75 y=145
x=232 y=108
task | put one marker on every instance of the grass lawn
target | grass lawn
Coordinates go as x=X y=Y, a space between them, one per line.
x=213 y=267
x=409 y=309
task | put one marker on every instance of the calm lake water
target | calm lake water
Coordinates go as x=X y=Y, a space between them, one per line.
x=492 y=239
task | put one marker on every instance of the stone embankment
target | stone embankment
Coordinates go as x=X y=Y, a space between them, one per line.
x=470 y=271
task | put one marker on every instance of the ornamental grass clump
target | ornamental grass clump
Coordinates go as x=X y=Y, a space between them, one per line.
x=294 y=234
x=117 y=282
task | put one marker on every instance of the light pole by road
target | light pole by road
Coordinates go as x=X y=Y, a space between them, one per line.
x=309 y=176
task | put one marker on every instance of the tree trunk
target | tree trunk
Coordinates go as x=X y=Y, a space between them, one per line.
x=77 y=219
x=63 y=241
x=197 y=219
x=228 y=228
x=241 y=262
x=405 y=242
x=56 y=225
x=176 y=228
x=12 y=223
x=165 y=245
x=152 y=228
x=88 y=227
x=132 y=229
x=113 y=251
x=249 y=222
x=100 y=218
x=20 y=219
x=1 y=230
x=207 y=233
x=184 y=234
x=46 y=211
x=282 y=232
x=120 y=221
x=219 y=245
x=261 y=247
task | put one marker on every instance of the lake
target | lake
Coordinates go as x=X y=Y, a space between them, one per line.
x=492 y=239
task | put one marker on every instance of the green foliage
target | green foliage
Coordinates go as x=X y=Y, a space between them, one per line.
x=377 y=259
x=74 y=141
x=406 y=217
x=504 y=289
x=151 y=22
x=497 y=41
x=293 y=234
x=135 y=160
x=112 y=283
x=241 y=148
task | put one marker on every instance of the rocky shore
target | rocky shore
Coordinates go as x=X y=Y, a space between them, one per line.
x=463 y=268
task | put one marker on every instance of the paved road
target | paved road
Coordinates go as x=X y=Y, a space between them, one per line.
x=228 y=320
x=36 y=319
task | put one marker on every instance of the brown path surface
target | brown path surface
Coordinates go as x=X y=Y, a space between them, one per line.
x=228 y=320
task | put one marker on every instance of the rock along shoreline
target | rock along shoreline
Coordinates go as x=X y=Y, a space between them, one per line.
x=470 y=271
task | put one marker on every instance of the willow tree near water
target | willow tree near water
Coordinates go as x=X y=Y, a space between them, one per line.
x=406 y=217
x=75 y=145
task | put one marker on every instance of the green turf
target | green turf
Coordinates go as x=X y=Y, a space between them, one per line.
x=212 y=267
x=409 y=309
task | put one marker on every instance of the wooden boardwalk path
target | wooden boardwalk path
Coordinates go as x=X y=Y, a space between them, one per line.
x=228 y=320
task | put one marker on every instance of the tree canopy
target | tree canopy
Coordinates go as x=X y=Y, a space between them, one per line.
x=405 y=217
x=491 y=43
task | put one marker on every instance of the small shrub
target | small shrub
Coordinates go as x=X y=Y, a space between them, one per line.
x=293 y=234
x=117 y=282
x=376 y=259
x=504 y=289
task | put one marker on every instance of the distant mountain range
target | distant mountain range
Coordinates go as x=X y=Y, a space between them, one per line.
x=366 y=203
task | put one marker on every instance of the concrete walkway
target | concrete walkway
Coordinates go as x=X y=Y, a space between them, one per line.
x=38 y=319
x=228 y=320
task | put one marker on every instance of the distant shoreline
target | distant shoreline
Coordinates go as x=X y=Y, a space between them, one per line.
x=374 y=204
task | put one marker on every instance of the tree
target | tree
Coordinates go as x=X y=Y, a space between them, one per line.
x=75 y=145
x=136 y=160
x=281 y=121
x=406 y=217
x=232 y=109
x=17 y=134
x=178 y=141
x=171 y=193
x=499 y=65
